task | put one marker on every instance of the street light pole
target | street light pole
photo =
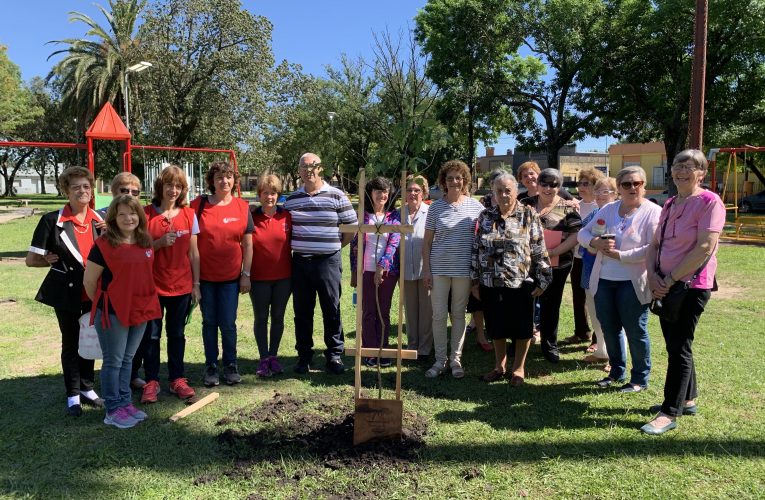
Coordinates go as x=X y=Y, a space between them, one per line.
x=331 y=115
x=136 y=68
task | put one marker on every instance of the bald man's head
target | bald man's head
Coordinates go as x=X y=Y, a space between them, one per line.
x=309 y=159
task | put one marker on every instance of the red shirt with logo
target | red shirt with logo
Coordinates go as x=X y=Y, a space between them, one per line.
x=221 y=230
x=126 y=287
x=172 y=265
x=271 y=251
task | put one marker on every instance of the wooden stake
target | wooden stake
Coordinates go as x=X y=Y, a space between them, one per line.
x=199 y=404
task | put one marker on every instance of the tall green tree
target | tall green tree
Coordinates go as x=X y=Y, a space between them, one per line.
x=92 y=71
x=212 y=68
x=469 y=43
x=648 y=50
x=17 y=109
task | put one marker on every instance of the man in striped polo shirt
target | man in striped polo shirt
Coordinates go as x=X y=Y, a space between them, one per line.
x=317 y=211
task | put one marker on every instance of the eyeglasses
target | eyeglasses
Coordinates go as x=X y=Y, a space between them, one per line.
x=605 y=192
x=549 y=185
x=684 y=166
x=454 y=179
x=631 y=185
x=311 y=167
x=583 y=183
x=134 y=192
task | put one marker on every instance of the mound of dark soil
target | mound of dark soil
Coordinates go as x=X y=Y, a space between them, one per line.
x=318 y=428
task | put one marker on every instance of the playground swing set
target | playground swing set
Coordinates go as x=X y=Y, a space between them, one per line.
x=107 y=126
x=744 y=227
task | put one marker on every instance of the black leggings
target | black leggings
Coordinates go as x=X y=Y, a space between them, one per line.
x=78 y=372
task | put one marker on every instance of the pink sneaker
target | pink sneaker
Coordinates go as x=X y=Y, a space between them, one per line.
x=264 y=368
x=136 y=413
x=120 y=418
x=276 y=367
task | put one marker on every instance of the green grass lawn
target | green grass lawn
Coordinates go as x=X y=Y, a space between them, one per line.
x=558 y=436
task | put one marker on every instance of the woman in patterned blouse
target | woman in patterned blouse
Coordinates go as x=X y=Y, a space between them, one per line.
x=509 y=268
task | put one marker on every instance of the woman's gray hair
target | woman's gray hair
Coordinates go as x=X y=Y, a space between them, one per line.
x=502 y=176
x=550 y=173
x=692 y=154
x=621 y=174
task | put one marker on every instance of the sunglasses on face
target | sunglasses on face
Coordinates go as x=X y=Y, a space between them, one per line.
x=549 y=185
x=631 y=185
x=134 y=192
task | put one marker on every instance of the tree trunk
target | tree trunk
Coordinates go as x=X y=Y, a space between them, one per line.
x=674 y=142
x=9 y=179
x=552 y=156
x=471 y=139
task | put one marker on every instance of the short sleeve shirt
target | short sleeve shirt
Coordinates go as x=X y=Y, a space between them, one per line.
x=704 y=212
x=316 y=219
x=562 y=218
x=454 y=228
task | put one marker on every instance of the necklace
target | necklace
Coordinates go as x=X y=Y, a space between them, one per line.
x=76 y=226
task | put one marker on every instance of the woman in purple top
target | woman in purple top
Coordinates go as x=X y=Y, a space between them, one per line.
x=691 y=223
x=381 y=266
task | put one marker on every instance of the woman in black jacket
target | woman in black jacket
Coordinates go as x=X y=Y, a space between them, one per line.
x=62 y=241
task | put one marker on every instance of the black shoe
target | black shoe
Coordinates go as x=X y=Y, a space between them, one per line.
x=385 y=363
x=74 y=410
x=96 y=403
x=302 y=367
x=552 y=356
x=335 y=366
x=231 y=374
x=211 y=378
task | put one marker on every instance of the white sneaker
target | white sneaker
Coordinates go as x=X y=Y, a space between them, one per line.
x=435 y=370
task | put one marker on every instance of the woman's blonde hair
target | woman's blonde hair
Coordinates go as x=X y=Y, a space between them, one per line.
x=420 y=181
x=123 y=179
x=461 y=168
x=608 y=182
x=271 y=182
x=590 y=174
x=113 y=234
x=170 y=175
x=528 y=165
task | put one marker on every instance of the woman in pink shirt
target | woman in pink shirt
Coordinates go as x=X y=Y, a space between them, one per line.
x=683 y=249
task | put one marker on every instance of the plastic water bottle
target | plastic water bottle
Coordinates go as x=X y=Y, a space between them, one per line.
x=354 y=297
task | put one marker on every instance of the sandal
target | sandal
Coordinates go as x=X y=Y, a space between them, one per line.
x=457 y=371
x=435 y=370
x=493 y=376
x=516 y=381
x=591 y=348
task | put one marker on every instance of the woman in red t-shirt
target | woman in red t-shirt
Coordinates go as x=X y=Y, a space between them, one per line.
x=271 y=282
x=225 y=254
x=118 y=279
x=173 y=227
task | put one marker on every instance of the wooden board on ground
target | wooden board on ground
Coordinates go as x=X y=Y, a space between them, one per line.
x=377 y=419
x=196 y=406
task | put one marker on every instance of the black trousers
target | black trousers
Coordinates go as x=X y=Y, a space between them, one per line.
x=318 y=275
x=175 y=309
x=581 y=325
x=549 y=309
x=680 y=385
x=78 y=372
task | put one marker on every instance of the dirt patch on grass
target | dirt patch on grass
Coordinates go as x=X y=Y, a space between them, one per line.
x=729 y=291
x=317 y=430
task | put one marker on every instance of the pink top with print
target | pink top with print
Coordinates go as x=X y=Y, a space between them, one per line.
x=703 y=212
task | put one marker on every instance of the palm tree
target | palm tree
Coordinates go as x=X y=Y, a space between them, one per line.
x=93 y=70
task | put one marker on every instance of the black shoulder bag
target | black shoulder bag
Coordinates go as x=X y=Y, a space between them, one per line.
x=668 y=308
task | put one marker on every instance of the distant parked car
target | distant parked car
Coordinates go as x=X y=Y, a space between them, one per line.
x=753 y=203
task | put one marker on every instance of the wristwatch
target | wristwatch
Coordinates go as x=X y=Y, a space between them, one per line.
x=246 y=273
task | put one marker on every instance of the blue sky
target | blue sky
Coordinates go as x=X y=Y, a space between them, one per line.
x=311 y=33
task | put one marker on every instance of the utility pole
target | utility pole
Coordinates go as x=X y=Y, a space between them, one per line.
x=696 y=115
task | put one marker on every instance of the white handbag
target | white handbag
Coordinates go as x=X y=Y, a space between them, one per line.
x=89 y=347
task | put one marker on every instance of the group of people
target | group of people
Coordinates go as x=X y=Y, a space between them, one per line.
x=131 y=268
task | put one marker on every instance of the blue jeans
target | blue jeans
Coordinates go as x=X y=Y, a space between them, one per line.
x=317 y=275
x=219 y=304
x=618 y=307
x=118 y=343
